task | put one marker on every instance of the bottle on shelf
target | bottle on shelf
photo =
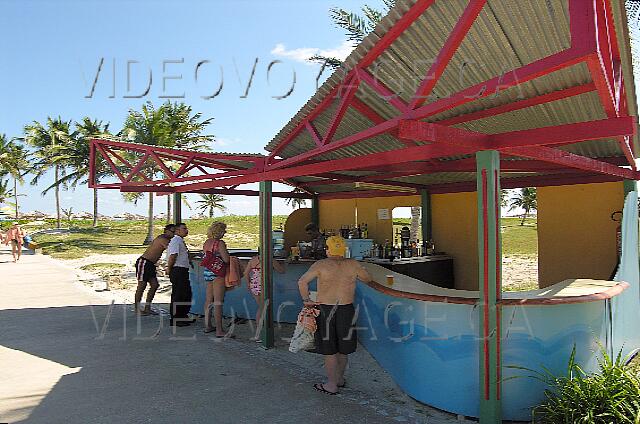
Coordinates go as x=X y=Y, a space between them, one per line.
x=365 y=231
x=430 y=247
x=424 y=247
x=380 y=251
x=387 y=249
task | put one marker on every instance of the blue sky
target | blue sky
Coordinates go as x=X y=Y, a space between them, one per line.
x=51 y=50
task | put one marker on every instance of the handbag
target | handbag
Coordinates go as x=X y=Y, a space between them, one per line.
x=213 y=261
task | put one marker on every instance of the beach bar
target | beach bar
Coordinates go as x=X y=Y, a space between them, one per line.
x=443 y=105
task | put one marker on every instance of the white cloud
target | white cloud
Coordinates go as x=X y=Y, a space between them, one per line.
x=302 y=54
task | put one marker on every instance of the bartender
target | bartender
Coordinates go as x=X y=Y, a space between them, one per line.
x=318 y=242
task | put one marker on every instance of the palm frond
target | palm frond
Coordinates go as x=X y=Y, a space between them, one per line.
x=355 y=26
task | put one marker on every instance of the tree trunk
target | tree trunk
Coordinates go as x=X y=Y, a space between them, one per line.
x=15 y=195
x=168 y=209
x=210 y=212
x=149 y=238
x=524 y=216
x=95 y=207
x=415 y=222
x=57 y=195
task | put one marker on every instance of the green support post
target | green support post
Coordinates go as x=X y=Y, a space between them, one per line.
x=425 y=216
x=177 y=208
x=315 y=210
x=490 y=262
x=266 y=263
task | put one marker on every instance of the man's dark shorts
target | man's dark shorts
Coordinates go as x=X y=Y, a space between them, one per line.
x=336 y=331
x=145 y=270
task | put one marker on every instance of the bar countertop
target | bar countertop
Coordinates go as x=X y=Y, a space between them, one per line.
x=415 y=259
x=567 y=291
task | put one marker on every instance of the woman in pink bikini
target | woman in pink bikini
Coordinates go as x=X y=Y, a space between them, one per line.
x=253 y=275
x=215 y=283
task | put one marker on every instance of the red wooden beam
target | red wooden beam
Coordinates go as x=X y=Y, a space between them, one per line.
x=382 y=128
x=385 y=92
x=184 y=166
x=390 y=36
x=92 y=164
x=571 y=160
x=392 y=157
x=603 y=84
x=582 y=26
x=162 y=165
x=112 y=165
x=511 y=78
x=205 y=176
x=351 y=89
x=373 y=116
x=366 y=111
x=458 y=34
x=138 y=167
x=558 y=134
x=324 y=104
x=625 y=146
x=520 y=104
x=566 y=134
x=158 y=149
x=360 y=194
x=314 y=133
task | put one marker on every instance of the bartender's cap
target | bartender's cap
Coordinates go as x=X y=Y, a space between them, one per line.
x=336 y=246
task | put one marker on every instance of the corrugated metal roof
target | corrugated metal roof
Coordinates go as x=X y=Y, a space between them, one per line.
x=506 y=35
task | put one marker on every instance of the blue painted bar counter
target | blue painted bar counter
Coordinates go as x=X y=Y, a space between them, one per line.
x=239 y=302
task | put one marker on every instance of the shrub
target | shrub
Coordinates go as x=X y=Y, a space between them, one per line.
x=611 y=395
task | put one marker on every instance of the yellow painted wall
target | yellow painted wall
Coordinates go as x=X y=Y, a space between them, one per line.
x=576 y=236
x=454 y=226
x=294 y=227
x=455 y=231
x=336 y=213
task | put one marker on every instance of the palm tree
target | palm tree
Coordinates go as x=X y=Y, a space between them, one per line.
x=185 y=128
x=296 y=202
x=13 y=161
x=171 y=125
x=211 y=202
x=44 y=139
x=5 y=191
x=357 y=27
x=87 y=130
x=526 y=199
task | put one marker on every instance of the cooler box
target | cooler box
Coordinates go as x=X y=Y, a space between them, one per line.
x=359 y=248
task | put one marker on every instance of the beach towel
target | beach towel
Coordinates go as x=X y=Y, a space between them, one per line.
x=234 y=274
x=303 y=335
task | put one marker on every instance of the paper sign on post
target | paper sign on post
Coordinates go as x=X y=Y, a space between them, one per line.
x=383 y=214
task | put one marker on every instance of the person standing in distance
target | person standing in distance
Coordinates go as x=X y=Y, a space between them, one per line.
x=178 y=270
x=146 y=269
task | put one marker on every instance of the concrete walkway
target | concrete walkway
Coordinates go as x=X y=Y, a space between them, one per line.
x=68 y=355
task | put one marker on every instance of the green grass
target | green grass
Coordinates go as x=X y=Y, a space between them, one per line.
x=120 y=237
x=519 y=240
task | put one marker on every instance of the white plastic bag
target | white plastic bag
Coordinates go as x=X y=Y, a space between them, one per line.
x=303 y=335
x=301 y=340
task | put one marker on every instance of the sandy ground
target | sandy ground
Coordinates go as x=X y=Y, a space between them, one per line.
x=517 y=272
x=364 y=374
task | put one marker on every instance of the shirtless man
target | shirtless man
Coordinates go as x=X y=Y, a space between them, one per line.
x=335 y=337
x=146 y=269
